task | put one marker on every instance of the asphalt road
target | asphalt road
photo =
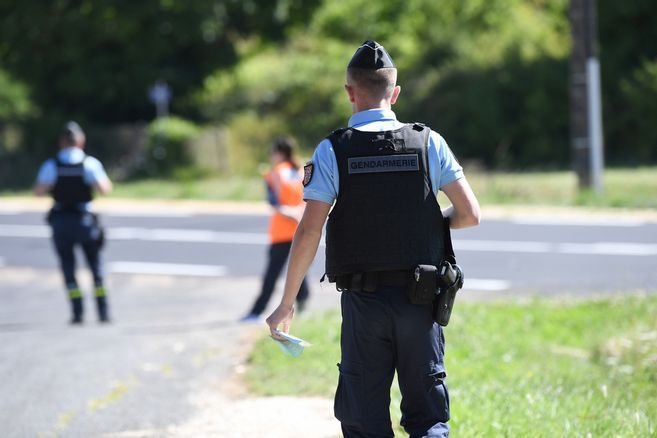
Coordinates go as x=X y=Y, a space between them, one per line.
x=540 y=256
x=178 y=283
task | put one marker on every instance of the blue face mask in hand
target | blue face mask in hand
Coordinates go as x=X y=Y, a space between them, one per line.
x=291 y=345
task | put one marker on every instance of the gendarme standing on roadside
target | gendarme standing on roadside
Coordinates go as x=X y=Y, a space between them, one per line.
x=385 y=231
x=71 y=178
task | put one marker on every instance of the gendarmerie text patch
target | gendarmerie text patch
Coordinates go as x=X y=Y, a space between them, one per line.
x=384 y=163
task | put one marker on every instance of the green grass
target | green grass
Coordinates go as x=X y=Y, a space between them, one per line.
x=234 y=188
x=535 y=369
x=626 y=188
x=630 y=188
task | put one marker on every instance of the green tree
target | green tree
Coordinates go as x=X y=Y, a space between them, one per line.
x=628 y=52
x=491 y=75
x=98 y=58
x=15 y=102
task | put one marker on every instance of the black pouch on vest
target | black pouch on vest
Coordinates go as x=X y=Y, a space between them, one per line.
x=422 y=286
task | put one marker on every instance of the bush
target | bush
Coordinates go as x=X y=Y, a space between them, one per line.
x=639 y=94
x=168 y=146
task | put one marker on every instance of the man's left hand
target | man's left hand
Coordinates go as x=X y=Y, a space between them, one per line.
x=282 y=315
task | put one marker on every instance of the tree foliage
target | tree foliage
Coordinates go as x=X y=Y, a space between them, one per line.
x=628 y=54
x=98 y=58
x=490 y=75
x=490 y=84
x=15 y=102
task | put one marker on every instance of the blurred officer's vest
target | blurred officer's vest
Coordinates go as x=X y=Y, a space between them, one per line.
x=70 y=189
x=386 y=216
x=290 y=193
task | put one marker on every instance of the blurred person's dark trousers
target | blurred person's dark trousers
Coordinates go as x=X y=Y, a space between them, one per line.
x=278 y=253
x=68 y=231
x=382 y=332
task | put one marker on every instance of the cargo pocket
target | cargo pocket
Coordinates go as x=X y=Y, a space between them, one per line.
x=348 y=405
x=437 y=396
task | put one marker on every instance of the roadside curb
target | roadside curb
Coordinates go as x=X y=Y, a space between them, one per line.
x=136 y=206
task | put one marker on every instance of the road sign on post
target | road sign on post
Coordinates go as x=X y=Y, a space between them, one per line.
x=160 y=95
x=585 y=96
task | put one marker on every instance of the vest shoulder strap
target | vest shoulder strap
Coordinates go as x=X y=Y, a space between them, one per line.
x=337 y=134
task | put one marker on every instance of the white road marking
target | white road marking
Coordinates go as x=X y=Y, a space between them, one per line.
x=24 y=231
x=167 y=269
x=502 y=246
x=595 y=248
x=182 y=235
x=238 y=238
x=146 y=214
x=485 y=284
x=580 y=221
x=608 y=248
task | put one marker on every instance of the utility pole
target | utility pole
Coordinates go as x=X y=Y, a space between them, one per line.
x=585 y=96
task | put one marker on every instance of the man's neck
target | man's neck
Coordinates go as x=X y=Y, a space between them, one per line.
x=357 y=107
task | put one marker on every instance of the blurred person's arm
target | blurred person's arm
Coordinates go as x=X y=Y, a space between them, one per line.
x=45 y=178
x=42 y=189
x=304 y=248
x=292 y=212
x=96 y=176
x=103 y=186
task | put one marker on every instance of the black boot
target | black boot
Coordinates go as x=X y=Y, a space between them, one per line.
x=101 y=305
x=76 y=308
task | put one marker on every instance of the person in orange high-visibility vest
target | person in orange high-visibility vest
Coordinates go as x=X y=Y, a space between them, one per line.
x=285 y=195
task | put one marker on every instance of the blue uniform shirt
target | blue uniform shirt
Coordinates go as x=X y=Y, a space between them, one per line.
x=93 y=169
x=325 y=185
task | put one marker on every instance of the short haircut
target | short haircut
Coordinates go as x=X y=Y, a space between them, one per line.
x=72 y=133
x=376 y=83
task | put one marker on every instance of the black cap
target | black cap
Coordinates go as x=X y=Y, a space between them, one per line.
x=371 y=56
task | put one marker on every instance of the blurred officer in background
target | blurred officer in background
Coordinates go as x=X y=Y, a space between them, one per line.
x=383 y=176
x=71 y=178
x=285 y=195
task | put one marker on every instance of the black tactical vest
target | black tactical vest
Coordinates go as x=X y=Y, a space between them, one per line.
x=386 y=216
x=70 y=189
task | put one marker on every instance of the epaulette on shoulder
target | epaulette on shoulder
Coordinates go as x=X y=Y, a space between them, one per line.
x=419 y=126
x=336 y=133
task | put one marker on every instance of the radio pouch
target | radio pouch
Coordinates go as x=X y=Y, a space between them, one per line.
x=422 y=286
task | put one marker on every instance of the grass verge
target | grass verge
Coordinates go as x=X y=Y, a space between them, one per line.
x=624 y=188
x=542 y=368
x=233 y=188
x=628 y=188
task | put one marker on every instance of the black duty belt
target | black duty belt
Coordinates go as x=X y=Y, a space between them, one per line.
x=370 y=281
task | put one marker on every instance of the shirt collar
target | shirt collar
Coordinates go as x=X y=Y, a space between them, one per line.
x=371 y=115
x=71 y=155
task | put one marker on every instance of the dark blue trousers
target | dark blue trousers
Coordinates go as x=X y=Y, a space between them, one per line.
x=70 y=230
x=382 y=332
